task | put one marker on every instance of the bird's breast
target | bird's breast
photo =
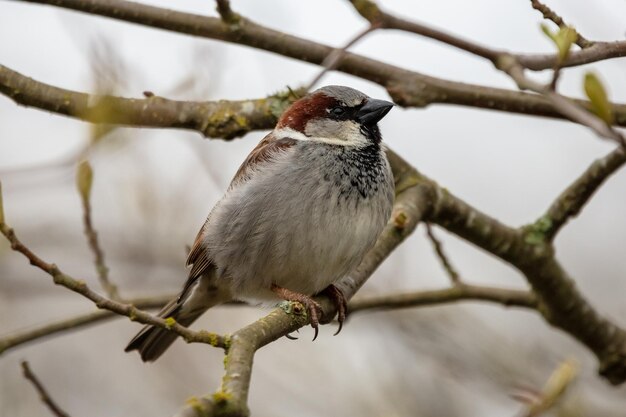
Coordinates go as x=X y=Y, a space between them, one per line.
x=304 y=223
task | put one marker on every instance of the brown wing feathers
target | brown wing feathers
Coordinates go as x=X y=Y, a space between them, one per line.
x=264 y=151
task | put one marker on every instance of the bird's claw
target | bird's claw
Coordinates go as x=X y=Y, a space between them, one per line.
x=314 y=311
x=290 y=337
x=340 y=302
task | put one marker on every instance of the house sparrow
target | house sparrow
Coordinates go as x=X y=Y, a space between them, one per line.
x=301 y=212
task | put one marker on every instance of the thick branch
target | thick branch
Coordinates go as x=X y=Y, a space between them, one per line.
x=219 y=119
x=560 y=302
x=408 y=88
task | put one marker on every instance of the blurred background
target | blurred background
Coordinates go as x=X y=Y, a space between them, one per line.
x=153 y=188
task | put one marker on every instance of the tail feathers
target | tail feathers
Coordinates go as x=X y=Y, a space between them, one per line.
x=151 y=342
x=199 y=294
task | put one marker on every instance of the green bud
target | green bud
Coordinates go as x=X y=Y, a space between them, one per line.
x=170 y=322
x=596 y=92
x=563 y=39
x=84 y=179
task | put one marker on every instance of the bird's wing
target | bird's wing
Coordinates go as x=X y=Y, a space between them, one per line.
x=199 y=259
x=269 y=146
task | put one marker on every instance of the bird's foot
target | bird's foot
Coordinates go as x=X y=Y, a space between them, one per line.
x=340 y=302
x=313 y=309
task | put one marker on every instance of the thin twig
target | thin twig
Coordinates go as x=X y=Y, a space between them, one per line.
x=41 y=390
x=13 y=340
x=551 y=15
x=375 y=15
x=564 y=105
x=128 y=310
x=226 y=13
x=443 y=258
x=459 y=292
x=84 y=179
x=334 y=58
x=572 y=200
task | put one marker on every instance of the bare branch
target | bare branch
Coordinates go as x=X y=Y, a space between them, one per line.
x=507 y=62
x=16 y=339
x=407 y=88
x=560 y=302
x=592 y=52
x=41 y=390
x=459 y=292
x=418 y=197
x=223 y=119
x=375 y=15
x=226 y=13
x=565 y=106
x=84 y=177
x=128 y=310
x=599 y=51
x=445 y=262
x=573 y=199
x=551 y=15
x=334 y=58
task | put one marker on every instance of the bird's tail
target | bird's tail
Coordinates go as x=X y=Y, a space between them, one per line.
x=197 y=297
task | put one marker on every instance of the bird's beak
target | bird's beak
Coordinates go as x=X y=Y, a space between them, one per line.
x=373 y=111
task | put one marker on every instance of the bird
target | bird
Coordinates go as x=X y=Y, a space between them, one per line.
x=301 y=212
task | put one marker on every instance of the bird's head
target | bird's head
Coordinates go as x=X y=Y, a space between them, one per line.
x=335 y=114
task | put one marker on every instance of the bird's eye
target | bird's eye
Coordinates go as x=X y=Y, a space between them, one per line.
x=337 y=111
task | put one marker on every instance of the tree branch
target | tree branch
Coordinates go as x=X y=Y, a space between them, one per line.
x=407 y=88
x=84 y=177
x=418 y=198
x=559 y=301
x=334 y=58
x=16 y=339
x=592 y=52
x=226 y=13
x=375 y=15
x=573 y=198
x=458 y=292
x=511 y=245
x=41 y=390
x=567 y=107
x=218 y=119
x=128 y=310
x=551 y=15
x=443 y=258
